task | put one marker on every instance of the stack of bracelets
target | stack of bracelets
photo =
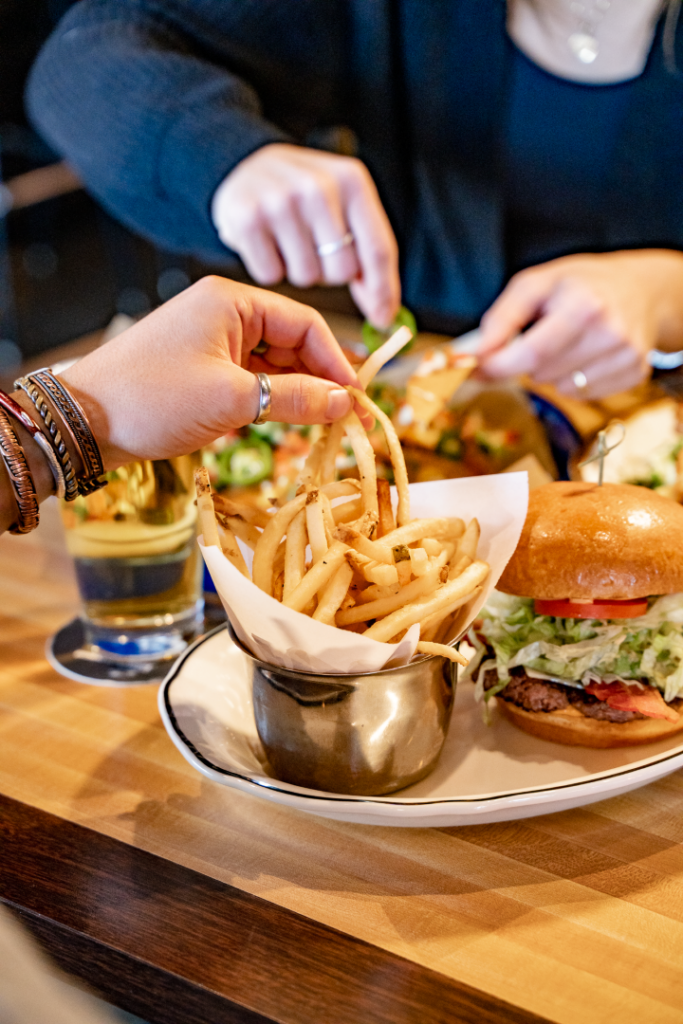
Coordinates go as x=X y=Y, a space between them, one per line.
x=48 y=395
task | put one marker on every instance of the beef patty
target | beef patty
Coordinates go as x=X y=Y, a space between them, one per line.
x=542 y=695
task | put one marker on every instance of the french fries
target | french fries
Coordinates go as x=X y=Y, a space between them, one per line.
x=387 y=522
x=337 y=551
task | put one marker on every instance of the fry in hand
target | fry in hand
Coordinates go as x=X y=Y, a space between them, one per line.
x=395 y=452
x=391 y=347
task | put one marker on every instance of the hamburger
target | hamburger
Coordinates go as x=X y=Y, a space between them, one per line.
x=582 y=643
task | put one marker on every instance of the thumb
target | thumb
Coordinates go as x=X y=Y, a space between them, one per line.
x=300 y=398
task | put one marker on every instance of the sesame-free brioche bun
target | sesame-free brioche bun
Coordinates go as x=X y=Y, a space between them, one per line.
x=584 y=541
x=570 y=727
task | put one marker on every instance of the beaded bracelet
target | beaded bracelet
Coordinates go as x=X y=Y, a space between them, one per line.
x=20 y=478
x=29 y=424
x=59 y=448
x=77 y=424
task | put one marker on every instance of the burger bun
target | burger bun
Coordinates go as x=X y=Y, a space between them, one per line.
x=586 y=542
x=570 y=727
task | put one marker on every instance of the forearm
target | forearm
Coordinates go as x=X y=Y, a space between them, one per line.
x=152 y=125
x=173 y=383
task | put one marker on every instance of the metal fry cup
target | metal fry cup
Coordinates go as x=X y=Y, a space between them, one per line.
x=364 y=735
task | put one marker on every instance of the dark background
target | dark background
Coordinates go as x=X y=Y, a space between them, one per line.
x=66 y=267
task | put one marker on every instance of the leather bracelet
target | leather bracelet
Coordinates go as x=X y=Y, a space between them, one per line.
x=20 y=478
x=58 y=445
x=29 y=424
x=79 y=428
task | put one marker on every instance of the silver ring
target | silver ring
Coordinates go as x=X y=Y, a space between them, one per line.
x=264 y=398
x=579 y=380
x=330 y=248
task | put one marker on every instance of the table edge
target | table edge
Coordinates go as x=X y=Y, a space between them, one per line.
x=116 y=917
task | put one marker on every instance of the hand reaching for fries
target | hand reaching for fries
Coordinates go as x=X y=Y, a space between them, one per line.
x=185 y=375
x=337 y=553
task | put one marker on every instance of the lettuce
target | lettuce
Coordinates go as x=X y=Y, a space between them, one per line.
x=648 y=648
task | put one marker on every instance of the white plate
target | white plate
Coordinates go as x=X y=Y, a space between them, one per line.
x=485 y=773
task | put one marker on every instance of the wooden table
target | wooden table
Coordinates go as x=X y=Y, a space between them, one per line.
x=187 y=902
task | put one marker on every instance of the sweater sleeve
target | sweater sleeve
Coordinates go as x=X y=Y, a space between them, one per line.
x=143 y=99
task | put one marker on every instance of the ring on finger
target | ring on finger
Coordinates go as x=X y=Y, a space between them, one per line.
x=579 y=380
x=330 y=248
x=264 y=398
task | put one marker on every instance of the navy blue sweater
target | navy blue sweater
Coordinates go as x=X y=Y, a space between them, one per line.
x=155 y=101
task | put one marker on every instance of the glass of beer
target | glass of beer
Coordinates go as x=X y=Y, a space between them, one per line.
x=137 y=561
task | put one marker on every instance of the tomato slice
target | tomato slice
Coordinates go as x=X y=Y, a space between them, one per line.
x=605 y=609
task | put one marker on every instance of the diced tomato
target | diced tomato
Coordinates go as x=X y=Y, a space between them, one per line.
x=648 y=701
x=601 y=609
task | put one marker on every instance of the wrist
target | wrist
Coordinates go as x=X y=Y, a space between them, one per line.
x=83 y=387
x=57 y=406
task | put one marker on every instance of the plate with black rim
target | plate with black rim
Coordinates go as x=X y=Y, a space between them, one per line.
x=486 y=773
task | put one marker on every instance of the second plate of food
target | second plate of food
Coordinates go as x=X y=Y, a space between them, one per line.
x=485 y=773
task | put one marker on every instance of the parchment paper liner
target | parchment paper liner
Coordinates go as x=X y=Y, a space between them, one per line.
x=280 y=636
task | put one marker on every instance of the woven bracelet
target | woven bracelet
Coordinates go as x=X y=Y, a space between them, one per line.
x=20 y=478
x=54 y=433
x=78 y=426
x=29 y=424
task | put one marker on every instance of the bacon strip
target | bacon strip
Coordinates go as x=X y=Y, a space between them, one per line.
x=647 y=702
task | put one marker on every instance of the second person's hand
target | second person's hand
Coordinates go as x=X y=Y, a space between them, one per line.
x=282 y=204
x=594 y=319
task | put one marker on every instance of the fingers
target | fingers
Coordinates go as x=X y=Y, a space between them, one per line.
x=575 y=332
x=517 y=305
x=289 y=325
x=598 y=340
x=616 y=371
x=568 y=312
x=298 y=338
x=294 y=238
x=299 y=398
x=378 y=290
x=259 y=253
x=321 y=206
x=282 y=203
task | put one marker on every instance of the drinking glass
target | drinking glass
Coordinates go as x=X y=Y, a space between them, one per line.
x=137 y=561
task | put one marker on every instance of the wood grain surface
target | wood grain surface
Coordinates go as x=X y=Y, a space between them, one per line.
x=574 y=917
x=182 y=948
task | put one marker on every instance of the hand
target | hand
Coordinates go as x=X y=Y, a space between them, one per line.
x=598 y=314
x=279 y=204
x=184 y=375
